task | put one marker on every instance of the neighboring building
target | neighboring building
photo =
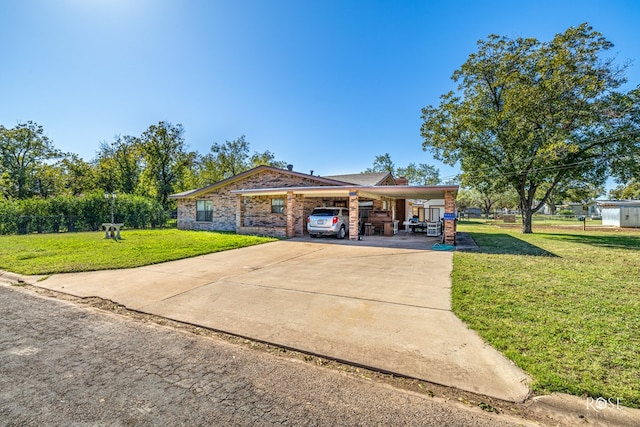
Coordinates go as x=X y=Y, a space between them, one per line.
x=620 y=213
x=590 y=209
x=276 y=202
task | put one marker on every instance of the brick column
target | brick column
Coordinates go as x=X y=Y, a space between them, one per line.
x=291 y=214
x=299 y=217
x=353 y=215
x=449 y=224
x=239 y=212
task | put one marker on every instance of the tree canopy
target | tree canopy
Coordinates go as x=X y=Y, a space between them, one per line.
x=154 y=164
x=232 y=157
x=529 y=115
x=416 y=174
x=24 y=153
x=165 y=158
x=631 y=190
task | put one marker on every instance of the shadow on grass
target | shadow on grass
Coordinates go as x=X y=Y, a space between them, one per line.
x=616 y=241
x=505 y=244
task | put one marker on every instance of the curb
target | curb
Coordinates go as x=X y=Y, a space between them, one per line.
x=570 y=410
x=14 y=279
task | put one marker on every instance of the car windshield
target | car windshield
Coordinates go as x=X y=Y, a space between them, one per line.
x=325 y=212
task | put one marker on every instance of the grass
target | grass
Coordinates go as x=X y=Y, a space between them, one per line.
x=563 y=305
x=71 y=252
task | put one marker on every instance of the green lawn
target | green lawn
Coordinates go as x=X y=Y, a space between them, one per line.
x=69 y=252
x=563 y=305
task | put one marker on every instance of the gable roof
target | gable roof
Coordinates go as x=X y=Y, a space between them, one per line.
x=368 y=179
x=199 y=191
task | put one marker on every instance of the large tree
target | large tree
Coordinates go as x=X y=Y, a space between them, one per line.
x=165 y=159
x=630 y=190
x=24 y=152
x=120 y=164
x=416 y=174
x=231 y=158
x=77 y=176
x=382 y=163
x=531 y=114
x=420 y=174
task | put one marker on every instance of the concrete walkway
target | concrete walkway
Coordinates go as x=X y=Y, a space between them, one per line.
x=388 y=308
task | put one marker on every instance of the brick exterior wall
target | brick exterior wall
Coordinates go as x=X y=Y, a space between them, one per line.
x=254 y=213
x=257 y=210
x=263 y=231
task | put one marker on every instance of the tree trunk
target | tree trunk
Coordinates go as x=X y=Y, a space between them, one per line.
x=527 y=216
x=487 y=208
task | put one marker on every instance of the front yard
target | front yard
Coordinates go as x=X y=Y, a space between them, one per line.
x=563 y=305
x=72 y=252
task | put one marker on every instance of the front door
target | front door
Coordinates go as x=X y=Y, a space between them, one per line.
x=400 y=210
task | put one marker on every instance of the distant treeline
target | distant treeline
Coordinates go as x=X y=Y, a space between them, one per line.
x=155 y=164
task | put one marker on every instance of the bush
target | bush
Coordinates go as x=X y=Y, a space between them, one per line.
x=566 y=212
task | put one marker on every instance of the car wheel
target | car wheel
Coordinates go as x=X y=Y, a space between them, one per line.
x=313 y=236
x=341 y=233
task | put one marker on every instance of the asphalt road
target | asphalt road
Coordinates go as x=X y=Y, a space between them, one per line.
x=66 y=364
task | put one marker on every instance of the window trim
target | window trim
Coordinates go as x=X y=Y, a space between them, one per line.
x=206 y=213
x=279 y=207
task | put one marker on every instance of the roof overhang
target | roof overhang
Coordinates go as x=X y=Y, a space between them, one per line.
x=213 y=187
x=618 y=203
x=427 y=192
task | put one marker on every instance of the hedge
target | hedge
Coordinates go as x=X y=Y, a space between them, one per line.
x=85 y=213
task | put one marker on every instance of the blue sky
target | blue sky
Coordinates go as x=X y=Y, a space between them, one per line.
x=325 y=85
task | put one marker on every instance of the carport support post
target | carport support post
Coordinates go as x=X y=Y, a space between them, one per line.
x=291 y=214
x=450 y=224
x=353 y=215
x=239 y=213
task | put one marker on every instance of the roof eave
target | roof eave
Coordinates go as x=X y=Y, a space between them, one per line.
x=203 y=190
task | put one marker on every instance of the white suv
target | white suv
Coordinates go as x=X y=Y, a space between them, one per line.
x=328 y=221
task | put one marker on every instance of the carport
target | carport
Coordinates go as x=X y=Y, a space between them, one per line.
x=298 y=200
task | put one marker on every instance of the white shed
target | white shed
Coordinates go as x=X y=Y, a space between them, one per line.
x=620 y=213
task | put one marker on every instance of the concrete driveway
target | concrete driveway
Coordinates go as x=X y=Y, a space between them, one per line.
x=388 y=308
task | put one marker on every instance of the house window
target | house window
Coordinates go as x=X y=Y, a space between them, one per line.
x=204 y=210
x=277 y=206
